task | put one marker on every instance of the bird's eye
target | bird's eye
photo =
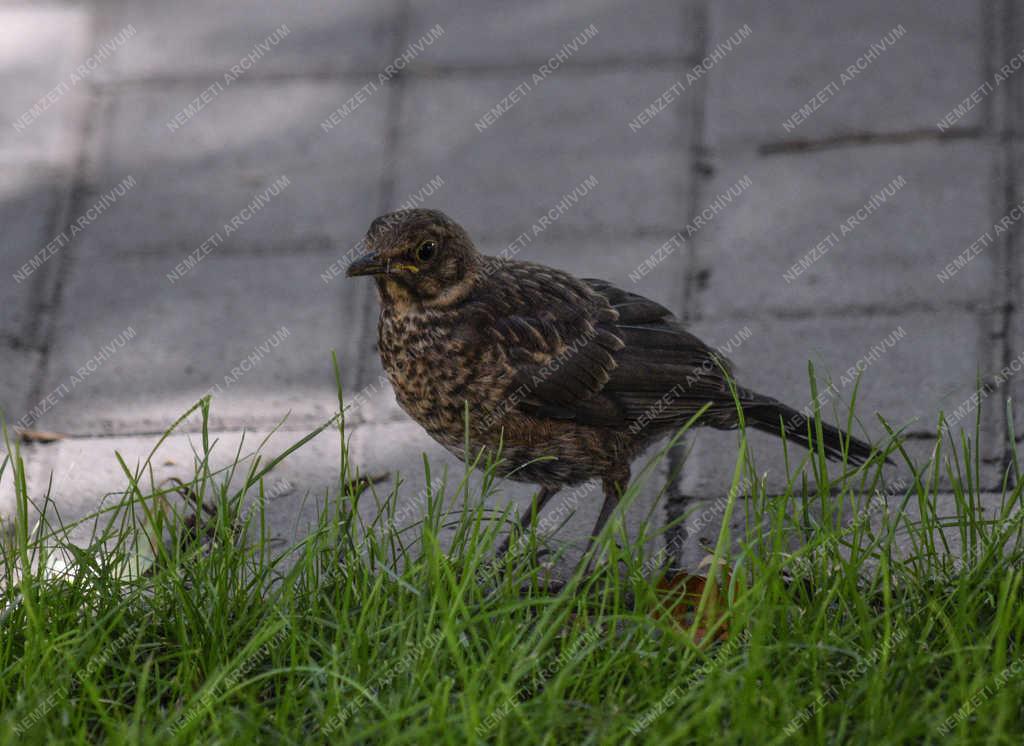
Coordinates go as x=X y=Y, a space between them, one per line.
x=426 y=250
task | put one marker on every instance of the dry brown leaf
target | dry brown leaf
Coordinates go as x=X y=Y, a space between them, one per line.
x=679 y=598
x=39 y=436
x=358 y=485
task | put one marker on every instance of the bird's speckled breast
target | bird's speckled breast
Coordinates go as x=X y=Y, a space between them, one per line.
x=434 y=370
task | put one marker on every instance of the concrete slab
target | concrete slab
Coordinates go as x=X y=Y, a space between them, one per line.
x=89 y=488
x=36 y=459
x=196 y=39
x=839 y=229
x=260 y=328
x=30 y=200
x=909 y=376
x=705 y=517
x=193 y=180
x=87 y=478
x=1015 y=344
x=951 y=537
x=20 y=370
x=709 y=467
x=504 y=177
x=906 y=393
x=41 y=49
x=797 y=52
x=532 y=32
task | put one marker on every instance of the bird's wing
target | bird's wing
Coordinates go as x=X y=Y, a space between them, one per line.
x=588 y=351
x=554 y=334
x=663 y=374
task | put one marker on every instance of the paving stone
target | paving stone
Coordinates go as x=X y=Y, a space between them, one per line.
x=19 y=368
x=709 y=468
x=196 y=38
x=84 y=477
x=705 y=520
x=40 y=49
x=1015 y=393
x=87 y=477
x=797 y=50
x=191 y=181
x=785 y=243
x=951 y=458
x=573 y=125
x=29 y=201
x=1015 y=388
x=36 y=459
x=1008 y=107
x=934 y=364
x=191 y=336
x=944 y=508
x=534 y=31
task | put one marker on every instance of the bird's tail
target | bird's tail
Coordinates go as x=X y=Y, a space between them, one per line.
x=771 y=416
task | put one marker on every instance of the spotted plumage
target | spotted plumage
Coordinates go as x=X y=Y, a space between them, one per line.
x=573 y=378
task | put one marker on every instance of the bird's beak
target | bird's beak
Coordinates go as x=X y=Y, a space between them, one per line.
x=369 y=264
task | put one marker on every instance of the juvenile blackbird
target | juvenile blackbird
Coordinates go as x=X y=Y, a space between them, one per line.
x=575 y=370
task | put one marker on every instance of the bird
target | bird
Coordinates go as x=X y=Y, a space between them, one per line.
x=569 y=379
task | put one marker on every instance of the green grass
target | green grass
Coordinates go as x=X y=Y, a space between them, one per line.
x=365 y=633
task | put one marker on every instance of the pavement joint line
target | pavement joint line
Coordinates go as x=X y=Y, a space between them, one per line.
x=698 y=150
x=306 y=247
x=59 y=216
x=980 y=307
x=990 y=47
x=253 y=423
x=698 y=499
x=675 y=501
x=994 y=43
x=73 y=192
x=327 y=246
x=15 y=342
x=854 y=139
x=752 y=148
x=1006 y=169
x=389 y=177
x=425 y=71
x=233 y=430
x=387 y=196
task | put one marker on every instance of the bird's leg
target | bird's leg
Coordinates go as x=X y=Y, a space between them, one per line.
x=613 y=489
x=545 y=494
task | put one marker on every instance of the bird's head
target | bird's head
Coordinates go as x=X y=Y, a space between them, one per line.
x=418 y=257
